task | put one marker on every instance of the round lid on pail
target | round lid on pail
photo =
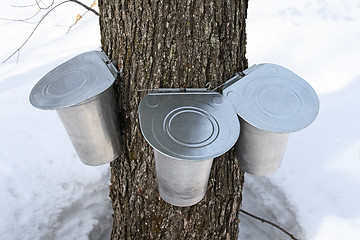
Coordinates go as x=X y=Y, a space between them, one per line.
x=272 y=98
x=189 y=126
x=74 y=81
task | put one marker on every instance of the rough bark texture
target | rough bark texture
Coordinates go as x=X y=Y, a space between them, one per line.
x=161 y=44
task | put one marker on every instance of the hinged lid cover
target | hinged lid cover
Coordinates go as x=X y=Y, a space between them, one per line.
x=74 y=81
x=274 y=99
x=189 y=125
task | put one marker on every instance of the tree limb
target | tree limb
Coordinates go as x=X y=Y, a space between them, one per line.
x=43 y=17
x=44 y=8
x=25 y=20
x=88 y=8
x=37 y=25
x=23 y=6
x=77 y=19
x=268 y=222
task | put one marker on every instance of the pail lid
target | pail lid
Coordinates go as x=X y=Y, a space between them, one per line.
x=74 y=81
x=189 y=125
x=272 y=98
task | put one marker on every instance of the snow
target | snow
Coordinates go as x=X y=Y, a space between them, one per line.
x=47 y=193
x=317 y=186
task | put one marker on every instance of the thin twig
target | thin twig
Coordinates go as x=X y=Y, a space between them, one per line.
x=42 y=18
x=37 y=25
x=23 y=6
x=23 y=20
x=88 y=8
x=81 y=16
x=77 y=21
x=44 y=8
x=268 y=222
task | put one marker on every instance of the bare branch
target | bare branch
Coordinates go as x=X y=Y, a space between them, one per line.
x=23 y=6
x=76 y=21
x=43 y=17
x=23 y=20
x=44 y=8
x=268 y=222
x=37 y=25
x=88 y=8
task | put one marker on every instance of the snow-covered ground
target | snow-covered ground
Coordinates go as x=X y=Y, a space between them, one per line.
x=318 y=184
x=47 y=193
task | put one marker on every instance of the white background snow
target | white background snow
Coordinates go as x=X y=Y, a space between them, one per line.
x=47 y=193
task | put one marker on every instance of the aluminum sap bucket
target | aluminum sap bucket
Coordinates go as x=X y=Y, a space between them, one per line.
x=260 y=152
x=181 y=183
x=93 y=128
x=271 y=102
x=81 y=91
x=186 y=130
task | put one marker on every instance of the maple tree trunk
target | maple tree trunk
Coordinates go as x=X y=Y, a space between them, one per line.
x=163 y=44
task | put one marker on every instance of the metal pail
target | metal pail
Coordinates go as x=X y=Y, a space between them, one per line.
x=187 y=130
x=271 y=101
x=260 y=152
x=93 y=128
x=181 y=183
x=81 y=91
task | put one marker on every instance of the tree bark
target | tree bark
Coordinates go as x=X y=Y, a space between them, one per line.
x=164 y=44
